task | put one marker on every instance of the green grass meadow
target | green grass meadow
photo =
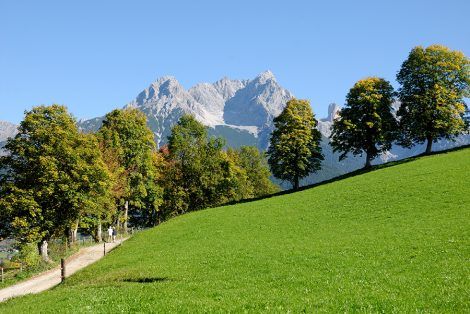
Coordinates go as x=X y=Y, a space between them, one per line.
x=396 y=239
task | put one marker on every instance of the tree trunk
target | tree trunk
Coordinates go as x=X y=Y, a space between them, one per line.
x=69 y=237
x=99 y=235
x=368 y=161
x=154 y=217
x=75 y=231
x=126 y=210
x=295 y=184
x=118 y=222
x=429 y=145
x=71 y=234
x=42 y=249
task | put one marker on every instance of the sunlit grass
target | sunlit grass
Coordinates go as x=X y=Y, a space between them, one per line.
x=393 y=240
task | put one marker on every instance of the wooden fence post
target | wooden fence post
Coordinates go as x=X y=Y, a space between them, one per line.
x=104 y=248
x=62 y=270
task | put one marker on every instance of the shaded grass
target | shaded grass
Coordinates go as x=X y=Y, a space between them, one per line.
x=392 y=240
x=146 y=279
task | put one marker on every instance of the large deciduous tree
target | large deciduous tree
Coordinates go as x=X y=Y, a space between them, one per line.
x=366 y=124
x=54 y=174
x=129 y=150
x=434 y=81
x=294 y=150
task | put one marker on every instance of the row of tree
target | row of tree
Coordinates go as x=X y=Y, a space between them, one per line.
x=57 y=179
x=433 y=84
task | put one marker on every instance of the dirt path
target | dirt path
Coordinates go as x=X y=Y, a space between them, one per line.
x=51 y=278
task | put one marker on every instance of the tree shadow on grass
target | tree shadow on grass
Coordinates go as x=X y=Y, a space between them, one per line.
x=146 y=279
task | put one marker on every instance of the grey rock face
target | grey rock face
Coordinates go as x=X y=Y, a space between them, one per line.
x=258 y=103
x=7 y=130
x=324 y=125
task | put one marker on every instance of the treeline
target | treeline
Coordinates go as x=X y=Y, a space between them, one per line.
x=57 y=179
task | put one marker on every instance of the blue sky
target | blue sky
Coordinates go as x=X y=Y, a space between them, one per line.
x=94 y=56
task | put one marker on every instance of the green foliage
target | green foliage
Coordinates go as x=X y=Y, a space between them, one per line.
x=150 y=213
x=366 y=124
x=199 y=174
x=21 y=216
x=354 y=245
x=98 y=204
x=174 y=195
x=28 y=255
x=294 y=150
x=434 y=81
x=53 y=175
x=197 y=171
x=252 y=171
x=129 y=150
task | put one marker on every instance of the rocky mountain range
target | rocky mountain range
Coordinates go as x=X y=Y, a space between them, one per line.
x=239 y=110
x=242 y=112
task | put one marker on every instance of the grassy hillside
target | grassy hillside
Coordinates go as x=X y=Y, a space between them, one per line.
x=396 y=239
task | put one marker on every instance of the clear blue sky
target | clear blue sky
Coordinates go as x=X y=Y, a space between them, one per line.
x=94 y=56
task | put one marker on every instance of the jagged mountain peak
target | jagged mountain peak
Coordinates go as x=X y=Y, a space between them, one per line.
x=167 y=85
x=265 y=76
x=163 y=87
x=333 y=112
x=165 y=78
x=228 y=87
x=257 y=103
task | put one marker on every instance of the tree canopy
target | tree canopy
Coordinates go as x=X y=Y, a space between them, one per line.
x=54 y=174
x=199 y=173
x=130 y=152
x=366 y=124
x=197 y=162
x=294 y=150
x=256 y=166
x=434 y=82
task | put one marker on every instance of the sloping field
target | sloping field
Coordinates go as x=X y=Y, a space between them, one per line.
x=395 y=239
